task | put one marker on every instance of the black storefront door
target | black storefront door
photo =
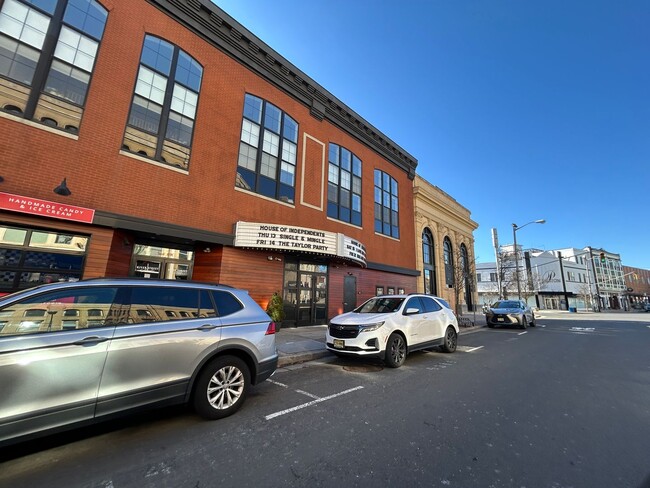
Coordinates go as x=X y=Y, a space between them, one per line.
x=305 y=292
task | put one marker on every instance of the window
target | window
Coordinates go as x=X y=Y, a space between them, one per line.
x=267 y=151
x=449 y=262
x=50 y=88
x=571 y=276
x=226 y=303
x=158 y=303
x=493 y=277
x=386 y=205
x=344 y=185
x=479 y=277
x=430 y=305
x=428 y=263
x=58 y=311
x=161 y=121
x=29 y=257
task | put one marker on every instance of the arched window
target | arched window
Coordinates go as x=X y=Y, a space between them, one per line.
x=467 y=277
x=344 y=185
x=449 y=262
x=47 y=55
x=428 y=262
x=267 y=151
x=161 y=122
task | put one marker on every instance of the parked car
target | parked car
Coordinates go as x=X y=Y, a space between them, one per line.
x=73 y=353
x=391 y=326
x=510 y=312
x=646 y=307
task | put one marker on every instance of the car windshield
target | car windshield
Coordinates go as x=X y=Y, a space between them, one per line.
x=506 y=304
x=380 y=305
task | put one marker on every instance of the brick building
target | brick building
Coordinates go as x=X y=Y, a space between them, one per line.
x=161 y=138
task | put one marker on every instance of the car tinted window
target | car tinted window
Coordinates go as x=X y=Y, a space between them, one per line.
x=414 y=302
x=430 y=305
x=77 y=308
x=206 y=306
x=444 y=303
x=507 y=304
x=226 y=303
x=161 y=303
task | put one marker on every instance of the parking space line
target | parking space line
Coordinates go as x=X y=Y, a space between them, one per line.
x=277 y=383
x=474 y=349
x=522 y=333
x=307 y=394
x=309 y=404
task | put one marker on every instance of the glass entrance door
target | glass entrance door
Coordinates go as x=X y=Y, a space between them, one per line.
x=161 y=263
x=305 y=292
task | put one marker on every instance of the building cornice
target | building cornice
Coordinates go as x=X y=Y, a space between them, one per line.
x=219 y=29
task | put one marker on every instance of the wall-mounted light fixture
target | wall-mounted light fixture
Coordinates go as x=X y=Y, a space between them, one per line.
x=270 y=258
x=207 y=249
x=63 y=189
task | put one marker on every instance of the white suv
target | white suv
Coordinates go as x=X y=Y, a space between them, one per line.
x=391 y=326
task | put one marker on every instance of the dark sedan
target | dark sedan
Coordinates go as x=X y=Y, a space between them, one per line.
x=510 y=312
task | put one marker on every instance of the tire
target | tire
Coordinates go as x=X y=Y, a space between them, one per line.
x=450 y=341
x=491 y=326
x=395 y=351
x=221 y=388
x=532 y=322
x=524 y=322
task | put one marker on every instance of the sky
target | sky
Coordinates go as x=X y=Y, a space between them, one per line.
x=520 y=110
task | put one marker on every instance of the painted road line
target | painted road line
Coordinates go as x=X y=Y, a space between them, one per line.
x=309 y=404
x=314 y=397
x=522 y=333
x=277 y=383
x=474 y=349
x=582 y=329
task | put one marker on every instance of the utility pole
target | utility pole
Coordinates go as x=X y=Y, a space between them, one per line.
x=495 y=243
x=566 y=296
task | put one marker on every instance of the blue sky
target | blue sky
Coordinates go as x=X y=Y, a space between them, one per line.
x=520 y=110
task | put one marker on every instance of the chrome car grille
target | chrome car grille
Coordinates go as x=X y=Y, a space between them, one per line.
x=343 y=331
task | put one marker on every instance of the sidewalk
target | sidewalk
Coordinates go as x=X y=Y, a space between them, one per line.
x=301 y=344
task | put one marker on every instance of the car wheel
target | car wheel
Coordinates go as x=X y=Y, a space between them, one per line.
x=221 y=388
x=524 y=322
x=532 y=322
x=451 y=340
x=491 y=326
x=395 y=351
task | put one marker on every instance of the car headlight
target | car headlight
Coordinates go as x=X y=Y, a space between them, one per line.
x=370 y=327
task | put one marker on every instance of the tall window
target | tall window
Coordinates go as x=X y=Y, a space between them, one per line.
x=161 y=121
x=47 y=54
x=467 y=282
x=344 y=185
x=428 y=263
x=449 y=262
x=267 y=151
x=386 y=205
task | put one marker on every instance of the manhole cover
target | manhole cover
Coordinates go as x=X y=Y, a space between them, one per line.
x=363 y=368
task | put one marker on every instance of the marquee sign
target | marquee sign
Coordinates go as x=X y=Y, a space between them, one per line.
x=302 y=239
x=44 y=208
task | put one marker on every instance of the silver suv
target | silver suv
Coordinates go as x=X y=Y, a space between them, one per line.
x=79 y=352
x=391 y=326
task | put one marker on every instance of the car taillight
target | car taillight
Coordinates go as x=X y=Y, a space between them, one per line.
x=270 y=329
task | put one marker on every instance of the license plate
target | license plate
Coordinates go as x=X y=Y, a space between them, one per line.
x=499 y=319
x=339 y=344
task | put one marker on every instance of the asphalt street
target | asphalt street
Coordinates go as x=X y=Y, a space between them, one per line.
x=565 y=404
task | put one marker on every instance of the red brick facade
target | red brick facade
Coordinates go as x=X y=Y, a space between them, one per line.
x=102 y=177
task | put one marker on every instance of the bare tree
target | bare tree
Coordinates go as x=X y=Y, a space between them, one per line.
x=464 y=277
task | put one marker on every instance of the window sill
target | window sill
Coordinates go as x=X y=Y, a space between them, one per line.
x=38 y=125
x=153 y=162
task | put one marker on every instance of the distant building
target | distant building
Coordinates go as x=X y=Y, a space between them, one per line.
x=637 y=281
x=577 y=278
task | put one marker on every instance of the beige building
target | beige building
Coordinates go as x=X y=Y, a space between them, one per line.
x=444 y=246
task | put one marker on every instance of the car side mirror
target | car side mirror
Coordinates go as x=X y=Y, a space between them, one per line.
x=411 y=311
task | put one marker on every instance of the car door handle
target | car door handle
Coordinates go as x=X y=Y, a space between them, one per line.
x=90 y=340
x=207 y=327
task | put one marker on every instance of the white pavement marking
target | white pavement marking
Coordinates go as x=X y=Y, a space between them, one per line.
x=522 y=333
x=474 y=349
x=309 y=404
x=277 y=383
x=582 y=329
x=307 y=394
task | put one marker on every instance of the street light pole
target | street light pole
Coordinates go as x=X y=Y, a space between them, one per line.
x=515 y=228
